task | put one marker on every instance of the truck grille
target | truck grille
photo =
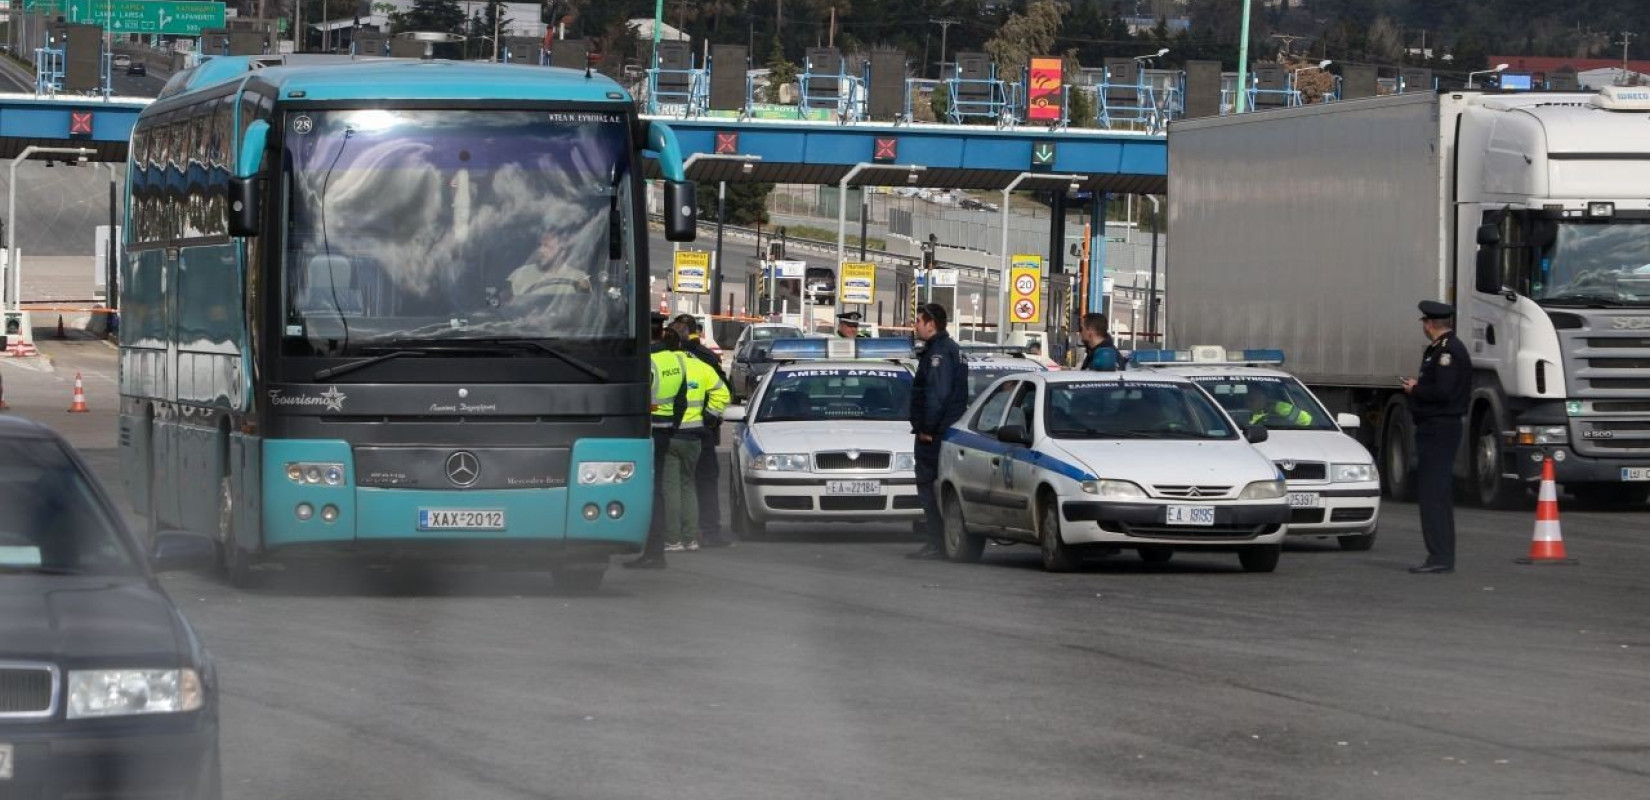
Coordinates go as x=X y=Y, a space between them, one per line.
x=1192 y=492
x=842 y=461
x=1304 y=471
x=1605 y=370
x=27 y=690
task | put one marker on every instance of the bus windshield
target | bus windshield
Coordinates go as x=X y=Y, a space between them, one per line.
x=407 y=227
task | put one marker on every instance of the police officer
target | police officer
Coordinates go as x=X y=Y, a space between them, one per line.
x=669 y=405
x=1102 y=351
x=1263 y=407
x=847 y=325
x=707 y=472
x=707 y=397
x=939 y=396
x=1437 y=402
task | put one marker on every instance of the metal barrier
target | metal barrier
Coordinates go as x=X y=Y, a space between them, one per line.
x=987 y=98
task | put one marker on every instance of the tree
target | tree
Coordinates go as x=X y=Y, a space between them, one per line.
x=436 y=16
x=781 y=73
x=940 y=102
x=1384 y=43
x=747 y=203
x=1024 y=36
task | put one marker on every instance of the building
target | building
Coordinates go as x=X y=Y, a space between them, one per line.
x=1540 y=66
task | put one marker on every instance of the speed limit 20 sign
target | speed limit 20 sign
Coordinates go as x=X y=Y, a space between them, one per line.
x=1026 y=279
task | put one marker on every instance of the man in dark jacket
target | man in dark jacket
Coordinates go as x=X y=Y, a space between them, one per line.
x=1438 y=400
x=1102 y=351
x=939 y=396
x=708 y=470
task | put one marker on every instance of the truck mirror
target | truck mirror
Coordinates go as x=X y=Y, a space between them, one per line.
x=1488 y=235
x=681 y=211
x=1488 y=278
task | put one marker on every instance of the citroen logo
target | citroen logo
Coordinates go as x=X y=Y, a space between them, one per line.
x=463 y=468
x=1193 y=492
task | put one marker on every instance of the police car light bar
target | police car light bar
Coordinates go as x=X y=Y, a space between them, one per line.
x=839 y=349
x=1206 y=354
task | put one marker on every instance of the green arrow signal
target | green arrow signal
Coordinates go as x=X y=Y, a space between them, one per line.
x=1042 y=154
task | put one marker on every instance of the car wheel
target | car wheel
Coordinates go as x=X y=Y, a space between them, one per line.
x=1260 y=557
x=578 y=580
x=237 y=562
x=1156 y=554
x=960 y=545
x=744 y=527
x=1359 y=543
x=1056 y=556
x=1396 y=443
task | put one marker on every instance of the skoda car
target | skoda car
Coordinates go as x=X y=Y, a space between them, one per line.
x=1077 y=464
x=1334 y=488
x=826 y=437
x=105 y=691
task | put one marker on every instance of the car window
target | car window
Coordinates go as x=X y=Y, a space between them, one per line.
x=840 y=393
x=760 y=334
x=53 y=518
x=990 y=416
x=1133 y=410
x=981 y=374
x=1276 y=402
x=1023 y=412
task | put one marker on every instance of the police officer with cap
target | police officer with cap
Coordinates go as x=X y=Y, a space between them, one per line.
x=669 y=405
x=847 y=325
x=1437 y=403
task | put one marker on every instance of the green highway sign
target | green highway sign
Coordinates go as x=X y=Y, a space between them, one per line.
x=179 y=17
x=1042 y=154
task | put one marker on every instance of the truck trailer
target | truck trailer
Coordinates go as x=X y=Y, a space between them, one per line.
x=1318 y=229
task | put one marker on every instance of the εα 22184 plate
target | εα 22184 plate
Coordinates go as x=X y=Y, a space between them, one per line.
x=460 y=519
x=853 y=487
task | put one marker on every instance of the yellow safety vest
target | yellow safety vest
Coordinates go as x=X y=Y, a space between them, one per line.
x=669 y=369
x=706 y=392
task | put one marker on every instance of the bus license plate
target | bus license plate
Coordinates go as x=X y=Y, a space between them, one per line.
x=853 y=487
x=1635 y=473
x=448 y=519
x=1191 y=515
x=1303 y=500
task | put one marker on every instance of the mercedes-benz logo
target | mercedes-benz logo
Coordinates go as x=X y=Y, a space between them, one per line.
x=463 y=468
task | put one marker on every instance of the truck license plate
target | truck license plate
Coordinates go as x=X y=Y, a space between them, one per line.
x=1635 y=473
x=1191 y=515
x=1303 y=500
x=853 y=487
x=448 y=519
x=5 y=762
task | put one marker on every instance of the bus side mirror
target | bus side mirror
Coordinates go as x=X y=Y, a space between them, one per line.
x=681 y=211
x=245 y=212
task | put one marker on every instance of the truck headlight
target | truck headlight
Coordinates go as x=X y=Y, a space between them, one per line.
x=1264 y=490
x=120 y=692
x=593 y=473
x=1114 y=490
x=1353 y=473
x=905 y=462
x=1543 y=434
x=780 y=462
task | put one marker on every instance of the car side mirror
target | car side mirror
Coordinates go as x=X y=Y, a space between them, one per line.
x=1014 y=434
x=681 y=211
x=1255 y=434
x=176 y=551
x=245 y=210
x=733 y=414
x=1348 y=421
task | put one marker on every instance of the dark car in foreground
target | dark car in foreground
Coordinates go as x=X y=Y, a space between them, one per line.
x=105 y=690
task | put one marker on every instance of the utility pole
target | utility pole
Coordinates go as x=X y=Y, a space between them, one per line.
x=1243 y=61
x=945 y=29
x=1626 y=40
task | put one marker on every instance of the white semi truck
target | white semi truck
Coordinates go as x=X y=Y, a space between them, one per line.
x=1318 y=229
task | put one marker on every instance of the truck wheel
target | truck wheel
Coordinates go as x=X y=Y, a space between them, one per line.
x=1493 y=490
x=1396 y=444
x=1260 y=557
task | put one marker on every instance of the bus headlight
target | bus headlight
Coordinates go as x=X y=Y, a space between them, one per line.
x=121 y=692
x=1353 y=473
x=312 y=472
x=596 y=473
x=1264 y=490
x=1114 y=490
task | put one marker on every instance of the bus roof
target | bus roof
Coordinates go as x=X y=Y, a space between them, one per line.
x=348 y=78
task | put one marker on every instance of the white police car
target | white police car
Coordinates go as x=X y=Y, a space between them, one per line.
x=826 y=437
x=1334 y=488
x=987 y=363
x=1084 y=462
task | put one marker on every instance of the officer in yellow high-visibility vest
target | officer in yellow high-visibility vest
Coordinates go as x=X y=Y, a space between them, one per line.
x=669 y=389
x=707 y=397
x=1282 y=411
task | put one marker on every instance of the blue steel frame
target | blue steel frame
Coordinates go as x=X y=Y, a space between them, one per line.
x=849 y=100
x=995 y=107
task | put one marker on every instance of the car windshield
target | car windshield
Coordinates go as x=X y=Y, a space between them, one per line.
x=862 y=393
x=1280 y=404
x=1133 y=410
x=1596 y=263
x=763 y=334
x=409 y=226
x=53 y=520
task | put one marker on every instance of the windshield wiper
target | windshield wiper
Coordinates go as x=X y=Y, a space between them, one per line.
x=400 y=347
x=539 y=344
x=333 y=372
x=39 y=571
x=1576 y=299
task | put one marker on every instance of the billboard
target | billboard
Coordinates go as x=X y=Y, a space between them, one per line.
x=692 y=272
x=859 y=282
x=1047 y=92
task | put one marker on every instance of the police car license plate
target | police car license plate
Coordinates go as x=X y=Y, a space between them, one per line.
x=1635 y=473
x=447 y=519
x=1191 y=515
x=1303 y=500
x=5 y=762
x=853 y=487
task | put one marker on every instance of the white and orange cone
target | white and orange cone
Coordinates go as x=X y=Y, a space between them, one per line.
x=1548 y=545
x=79 y=404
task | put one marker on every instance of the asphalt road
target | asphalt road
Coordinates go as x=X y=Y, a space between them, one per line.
x=825 y=665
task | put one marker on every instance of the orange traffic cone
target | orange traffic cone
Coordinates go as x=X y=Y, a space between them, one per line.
x=1548 y=545
x=79 y=405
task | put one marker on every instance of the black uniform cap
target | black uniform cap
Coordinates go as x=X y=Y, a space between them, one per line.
x=1432 y=309
x=850 y=318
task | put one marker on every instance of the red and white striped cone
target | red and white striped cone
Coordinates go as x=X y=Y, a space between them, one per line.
x=1548 y=545
x=79 y=404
